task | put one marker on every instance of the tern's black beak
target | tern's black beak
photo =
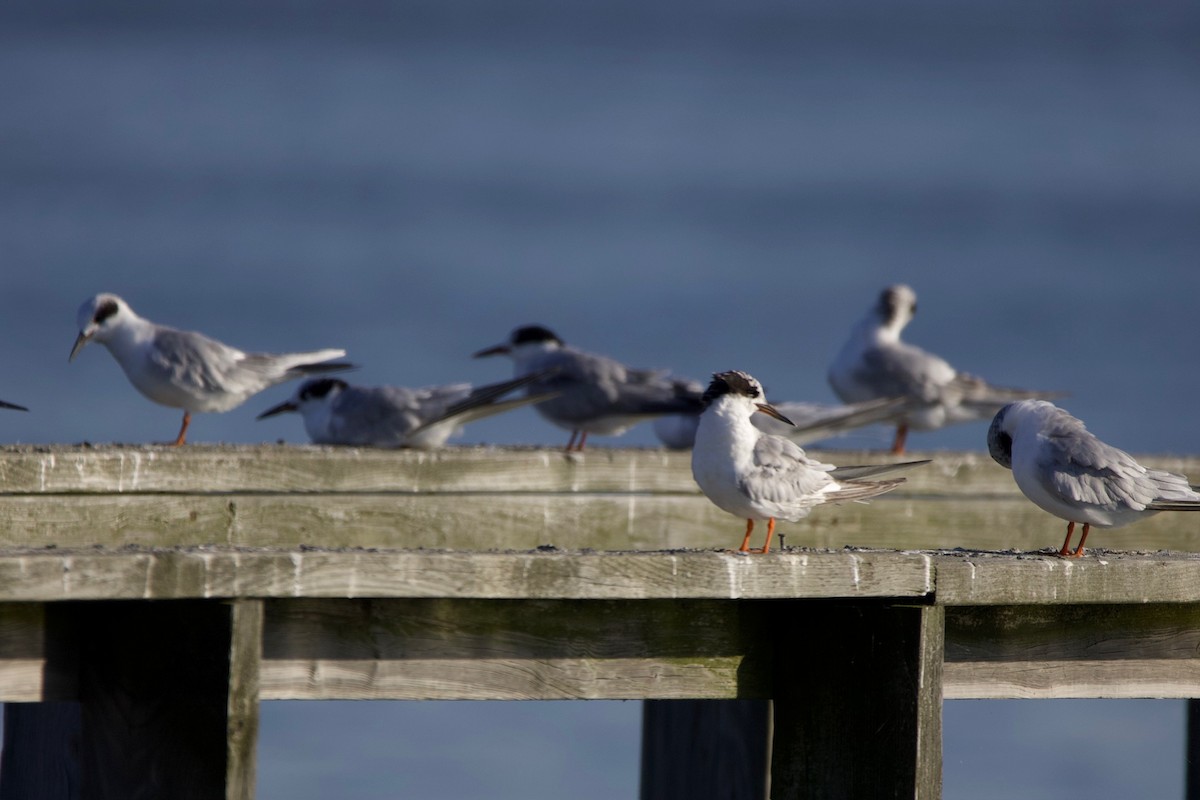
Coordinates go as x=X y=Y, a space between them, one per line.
x=282 y=408
x=13 y=406
x=498 y=350
x=80 y=340
x=771 y=411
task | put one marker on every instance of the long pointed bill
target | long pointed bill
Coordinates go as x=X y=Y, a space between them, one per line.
x=498 y=350
x=282 y=408
x=771 y=411
x=13 y=406
x=80 y=341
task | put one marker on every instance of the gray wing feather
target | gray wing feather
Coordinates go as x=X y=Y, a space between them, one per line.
x=1075 y=465
x=193 y=359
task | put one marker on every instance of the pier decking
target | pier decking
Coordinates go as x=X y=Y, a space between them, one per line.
x=150 y=598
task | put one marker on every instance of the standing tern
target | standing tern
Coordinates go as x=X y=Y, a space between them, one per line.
x=188 y=370
x=755 y=475
x=596 y=394
x=336 y=412
x=874 y=363
x=1065 y=470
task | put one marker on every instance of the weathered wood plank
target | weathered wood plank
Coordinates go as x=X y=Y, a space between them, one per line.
x=22 y=652
x=1060 y=651
x=245 y=664
x=491 y=521
x=526 y=521
x=511 y=650
x=232 y=573
x=864 y=718
x=705 y=749
x=1037 y=578
x=275 y=468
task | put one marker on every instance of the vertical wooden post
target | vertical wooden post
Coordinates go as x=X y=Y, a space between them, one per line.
x=858 y=701
x=169 y=698
x=1192 y=754
x=41 y=747
x=704 y=749
x=245 y=659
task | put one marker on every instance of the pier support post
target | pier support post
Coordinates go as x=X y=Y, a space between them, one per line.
x=705 y=749
x=168 y=703
x=858 y=701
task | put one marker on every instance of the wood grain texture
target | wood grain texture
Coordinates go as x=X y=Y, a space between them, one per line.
x=1037 y=578
x=241 y=708
x=512 y=649
x=290 y=468
x=232 y=573
x=1093 y=650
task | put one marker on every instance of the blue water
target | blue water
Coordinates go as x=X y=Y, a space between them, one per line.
x=698 y=186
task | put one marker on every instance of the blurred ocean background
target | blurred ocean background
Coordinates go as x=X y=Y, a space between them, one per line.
x=694 y=185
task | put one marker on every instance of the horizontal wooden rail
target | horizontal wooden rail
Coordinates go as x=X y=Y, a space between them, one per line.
x=145 y=586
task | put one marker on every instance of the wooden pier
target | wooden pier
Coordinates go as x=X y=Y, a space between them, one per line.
x=150 y=598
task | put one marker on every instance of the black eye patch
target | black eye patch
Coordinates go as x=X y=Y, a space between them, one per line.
x=106 y=310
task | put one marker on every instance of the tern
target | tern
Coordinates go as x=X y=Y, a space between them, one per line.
x=874 y=363
x=757 y=476
x=1065 y=470
x=335 y=412
x=184 y=369
x=596 y=394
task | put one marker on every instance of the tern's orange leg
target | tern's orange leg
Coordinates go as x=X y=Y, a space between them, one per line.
x=901 y=437
x=582 y=441
x=571 y=441
x=182 y=437
x=745 y=548
x=770 y=533
x=582 y=435
x=1065 y=551
x=1082 y=538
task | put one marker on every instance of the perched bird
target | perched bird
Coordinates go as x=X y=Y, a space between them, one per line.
x=757 y=476
x=187 y=370
x=874 y=363
x=810 y=422
x=1064 y=469
x=596 y=394
x=336 y=412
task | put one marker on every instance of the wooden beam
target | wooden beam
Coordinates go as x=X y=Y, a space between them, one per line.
x=107 y=469
x=978 y=579
x=209 y=572
x=241 y=715
x=858 y=694
x=511 y=650
x=1060 y=651
x=705 y=749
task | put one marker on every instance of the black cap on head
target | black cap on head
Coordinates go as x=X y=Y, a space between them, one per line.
x=320 y=387
x=731 y=382
x=534 y=333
